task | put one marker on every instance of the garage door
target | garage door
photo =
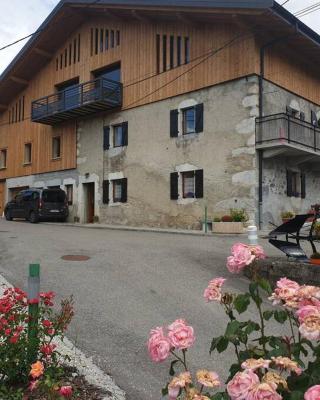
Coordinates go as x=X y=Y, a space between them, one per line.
x=2 y=187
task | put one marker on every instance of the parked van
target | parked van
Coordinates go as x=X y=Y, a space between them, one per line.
x=37 y=205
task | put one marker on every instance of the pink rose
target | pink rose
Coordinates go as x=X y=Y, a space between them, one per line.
x=264 y=391
x=238 y=388
x=310 y=328
x=306 y=311
x=217 y=282
x=181 y=335
x=287 y=283
x=158 y=345
x=178 y=383
x=240 y=259
x=258 y=252
x=212 y=293
x=65 y=391
x=313 y=393
x=253 y=364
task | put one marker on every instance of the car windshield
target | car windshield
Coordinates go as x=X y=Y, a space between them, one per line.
x=52 y=196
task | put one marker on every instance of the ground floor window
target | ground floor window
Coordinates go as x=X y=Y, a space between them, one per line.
x=115 y=191
x=296 y=184
x=69 y=191
x=186 y=185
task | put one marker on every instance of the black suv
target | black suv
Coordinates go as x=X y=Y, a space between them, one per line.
x=38 y=204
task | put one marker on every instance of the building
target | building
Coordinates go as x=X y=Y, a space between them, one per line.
x=147 y=111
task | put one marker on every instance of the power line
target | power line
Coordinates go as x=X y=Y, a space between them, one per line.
x=306 y=9
x=39 y=30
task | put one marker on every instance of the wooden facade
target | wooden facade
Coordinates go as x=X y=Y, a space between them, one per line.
x=212 y=59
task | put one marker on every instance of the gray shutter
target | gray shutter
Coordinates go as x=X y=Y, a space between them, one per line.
x=289 y=183
x=105 y=192
x=303 y=186
x=174 y=192
x=125 y=134
x=199 y=183
x=124 y=192
x=199 y=118
x=174 y=129
x=106 y=137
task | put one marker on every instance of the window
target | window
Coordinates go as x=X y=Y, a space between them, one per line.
x=179 y=50
x=171 y=52
x=188 y=120
x=115 y=191
x=186 y=50
x=188 y=185
x=69 y=190
x=3 y=158
x=27 y=153
x=117 y=136
x=102 y=39
x=164 y=52
x=296 y=184
x=56 y=147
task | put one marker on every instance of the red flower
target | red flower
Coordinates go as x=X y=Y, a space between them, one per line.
x=47 y=349
x=46 y=323
x=65 y=391
x=33 y=301
x=7 y=332
x=14 y=339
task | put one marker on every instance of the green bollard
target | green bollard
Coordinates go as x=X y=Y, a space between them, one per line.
x=33 y=299
x=206 y=219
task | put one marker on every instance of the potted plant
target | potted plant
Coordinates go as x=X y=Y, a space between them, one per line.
x=287 y=216
x=315 y=259
x=230 y=224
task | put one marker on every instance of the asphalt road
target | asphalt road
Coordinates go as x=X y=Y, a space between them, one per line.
x=134 y=281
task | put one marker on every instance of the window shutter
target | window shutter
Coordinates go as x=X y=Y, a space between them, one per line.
x=106 y=137
x=124 y=197
x=303 y=186
x=199 y=118
x=199 y=183
x=174 y=192
x=289 y=183
x=125 y=134
x=174 y=129
x=105 y=194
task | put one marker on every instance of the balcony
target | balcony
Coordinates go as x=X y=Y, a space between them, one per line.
x=80 y=100
x=282 y=134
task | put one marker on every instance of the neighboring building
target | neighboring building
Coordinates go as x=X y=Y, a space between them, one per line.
x=147 y=111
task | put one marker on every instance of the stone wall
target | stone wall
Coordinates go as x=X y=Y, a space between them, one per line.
x=225 y=150
x=275 y=199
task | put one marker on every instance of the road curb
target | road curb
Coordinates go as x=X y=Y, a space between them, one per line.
x=150 y=230
x=85 y=366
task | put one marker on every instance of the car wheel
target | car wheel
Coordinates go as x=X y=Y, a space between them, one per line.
x=7 y=215
x=33 y=218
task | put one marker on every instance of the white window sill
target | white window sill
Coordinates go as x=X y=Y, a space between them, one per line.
x=186 y=201
x=188 y=136
x=117 y=204
x=116 y=151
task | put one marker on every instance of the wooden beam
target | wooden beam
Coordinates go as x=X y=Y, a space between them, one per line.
x=19 y=80
x=140 y=17
x=43 y=53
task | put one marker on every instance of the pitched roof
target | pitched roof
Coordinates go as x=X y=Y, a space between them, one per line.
x=53 y=31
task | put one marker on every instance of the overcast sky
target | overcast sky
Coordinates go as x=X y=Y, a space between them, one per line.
x=19 y=18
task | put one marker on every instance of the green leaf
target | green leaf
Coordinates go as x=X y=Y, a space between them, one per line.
x=222 y=344
x=214 y=343
x=232 y=328
x=220 y=396
x=267 y=315
x=265 y=285
x=296 y=395
x=242 y=302
x=165 y=391
x=252 y=327
x=280 y=316
x=253 y=288
x=172 y=371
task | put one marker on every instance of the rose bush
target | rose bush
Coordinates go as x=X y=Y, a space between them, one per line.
x=21 y=376
x=266 y=367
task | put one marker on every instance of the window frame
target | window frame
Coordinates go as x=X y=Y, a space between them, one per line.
x=184 y=176
x=184 y=112
x=25 y=161
x=53 y=157
x=68 y=192
x=114 y=131
x=3 y=151
x=116 y=182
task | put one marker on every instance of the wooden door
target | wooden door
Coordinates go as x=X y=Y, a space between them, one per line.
x=90 y=203
x=2 y=199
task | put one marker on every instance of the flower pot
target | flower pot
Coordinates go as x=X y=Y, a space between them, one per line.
x=228 y=227
x=315 y=261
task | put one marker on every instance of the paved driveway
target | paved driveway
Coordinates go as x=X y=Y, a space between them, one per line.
x=133 y=282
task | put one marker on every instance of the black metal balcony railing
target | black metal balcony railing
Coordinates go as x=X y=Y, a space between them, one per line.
x=79 y=100
x=282 y=129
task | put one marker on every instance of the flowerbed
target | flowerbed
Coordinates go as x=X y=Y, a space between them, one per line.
x=265 y=366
